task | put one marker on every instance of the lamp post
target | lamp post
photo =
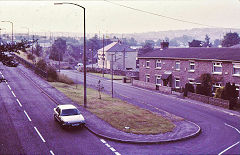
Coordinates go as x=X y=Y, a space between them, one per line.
x=12 y=28
x=84 y=52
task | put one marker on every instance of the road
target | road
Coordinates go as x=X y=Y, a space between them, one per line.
x=220 y=129
x=27 y=125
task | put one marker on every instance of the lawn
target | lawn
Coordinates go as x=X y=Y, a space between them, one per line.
x=118 y=113
x=109 y=76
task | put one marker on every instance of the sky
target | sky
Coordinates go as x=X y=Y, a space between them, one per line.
x=105 y=17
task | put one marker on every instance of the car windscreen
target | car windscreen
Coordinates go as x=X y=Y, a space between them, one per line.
x=68 y=112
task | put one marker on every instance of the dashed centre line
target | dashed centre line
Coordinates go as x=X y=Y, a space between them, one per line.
x=39 y=134
x=51 y=152
x=19 y=103
x=13 y=94
x=9 y=87
x=111 y=148
x=27 y=116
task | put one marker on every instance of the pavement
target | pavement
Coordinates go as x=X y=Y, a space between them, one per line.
x=184 y=129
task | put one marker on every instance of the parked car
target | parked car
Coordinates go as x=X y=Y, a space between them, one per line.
x=68 y=115
x=10 y=63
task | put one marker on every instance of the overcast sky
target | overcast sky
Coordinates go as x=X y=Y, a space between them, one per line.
x=109 y=18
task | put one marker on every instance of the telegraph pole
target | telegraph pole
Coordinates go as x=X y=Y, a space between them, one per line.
x=112 y=72
x=103 y=57
x=124 y=55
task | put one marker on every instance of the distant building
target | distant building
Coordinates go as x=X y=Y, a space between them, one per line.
x=174 y=67
x=124 y=57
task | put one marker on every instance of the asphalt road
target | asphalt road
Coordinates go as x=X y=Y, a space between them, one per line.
x=220 y=129
x=27 y=125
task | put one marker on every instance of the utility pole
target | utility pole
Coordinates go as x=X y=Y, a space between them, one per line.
x=92 y=57
x=124 y=56
x=32 y=44
x=112 y=72
x=103 y=58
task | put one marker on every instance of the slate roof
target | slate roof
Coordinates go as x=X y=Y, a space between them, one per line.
x=227 y=54
x=117 y=47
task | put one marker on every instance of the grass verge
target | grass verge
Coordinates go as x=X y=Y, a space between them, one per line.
x=118 y=113
x=109 y=76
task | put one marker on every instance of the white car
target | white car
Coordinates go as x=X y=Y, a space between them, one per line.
x=68 y=115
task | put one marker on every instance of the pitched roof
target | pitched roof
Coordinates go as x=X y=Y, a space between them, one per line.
x=232 y=54
x=236 y=46
x=117 y=47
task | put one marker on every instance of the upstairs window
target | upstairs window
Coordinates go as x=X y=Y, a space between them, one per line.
x=217 y=67
x=147 y=78
x=236 y=69
x=177 y=65
x=158 y=64
x=147 y=64
x=192 y=66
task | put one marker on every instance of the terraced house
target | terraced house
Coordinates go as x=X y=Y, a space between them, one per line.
x=174 y=67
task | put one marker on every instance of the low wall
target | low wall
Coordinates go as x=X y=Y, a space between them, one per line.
x=143 y=84
x=165 y=89
x=209 y=100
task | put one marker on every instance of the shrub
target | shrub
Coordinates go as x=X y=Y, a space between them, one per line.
x=30 y=56
x=52 y=74
x=188 y=88
x=64 y=79
x=42 y=65
x=219 y=92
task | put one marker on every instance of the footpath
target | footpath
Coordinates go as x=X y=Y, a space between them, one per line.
x=183 y=130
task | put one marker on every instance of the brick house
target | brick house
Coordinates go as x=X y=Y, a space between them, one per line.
x=174 y=67
x=124 y=57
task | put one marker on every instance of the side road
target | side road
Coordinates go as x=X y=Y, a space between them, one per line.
x=184 y=129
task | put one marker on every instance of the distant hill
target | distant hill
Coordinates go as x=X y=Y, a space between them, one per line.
x=196 y=33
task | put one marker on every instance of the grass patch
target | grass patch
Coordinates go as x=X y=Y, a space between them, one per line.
x=118 y=113
x=109 y=76
x=64 y=79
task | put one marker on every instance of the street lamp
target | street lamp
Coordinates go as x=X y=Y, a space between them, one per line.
x=12 y=28
x=84 y=52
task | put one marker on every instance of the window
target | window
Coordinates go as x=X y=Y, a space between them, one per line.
x=147 y=64
x=191 y=66
x=158 y=80
x=177 y=65
x=217 y=68
x=177 y=83
x=158 y=64
x=191 y=81
x=147 y=78
x=236 y=69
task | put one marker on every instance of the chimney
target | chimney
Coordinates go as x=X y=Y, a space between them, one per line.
x=164 y=44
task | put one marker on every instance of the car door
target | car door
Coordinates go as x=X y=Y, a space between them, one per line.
x=57 y=114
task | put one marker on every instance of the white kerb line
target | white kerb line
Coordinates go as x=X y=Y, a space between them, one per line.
x=228 y=148
x=19 y=103
x=2 y=75
x=27 y=116
x=39 y=134
x=13 y=94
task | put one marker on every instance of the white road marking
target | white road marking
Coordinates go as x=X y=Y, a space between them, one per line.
x=232 y=127
x=107 y=145
x=9 y=87
x=228 y=148
x=117 y=153
x=6 y=82
x=51 y=152
x=13 y=94
x=39 y=134
x=0 y=72
x=19 y=103
x=2 y=76
x=111 y=148
x=102 y=140
x=27 y=116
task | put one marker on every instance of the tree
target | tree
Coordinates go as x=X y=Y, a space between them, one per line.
x=148 y=47
x=217 y=42
x=58 y=49
x=230 y=93
x=195 y=43
x=230 y=39
x=38 y=50
x=207 y=42
x=206 y=85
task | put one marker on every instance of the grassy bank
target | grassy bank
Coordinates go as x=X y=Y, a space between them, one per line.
x=118 y=113
x=109 y=76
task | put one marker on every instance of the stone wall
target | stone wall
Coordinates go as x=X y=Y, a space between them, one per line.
x=142 y=84
x=209 y=100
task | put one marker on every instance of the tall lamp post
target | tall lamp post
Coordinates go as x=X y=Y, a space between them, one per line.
x=84 y=52
x=12 y=28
